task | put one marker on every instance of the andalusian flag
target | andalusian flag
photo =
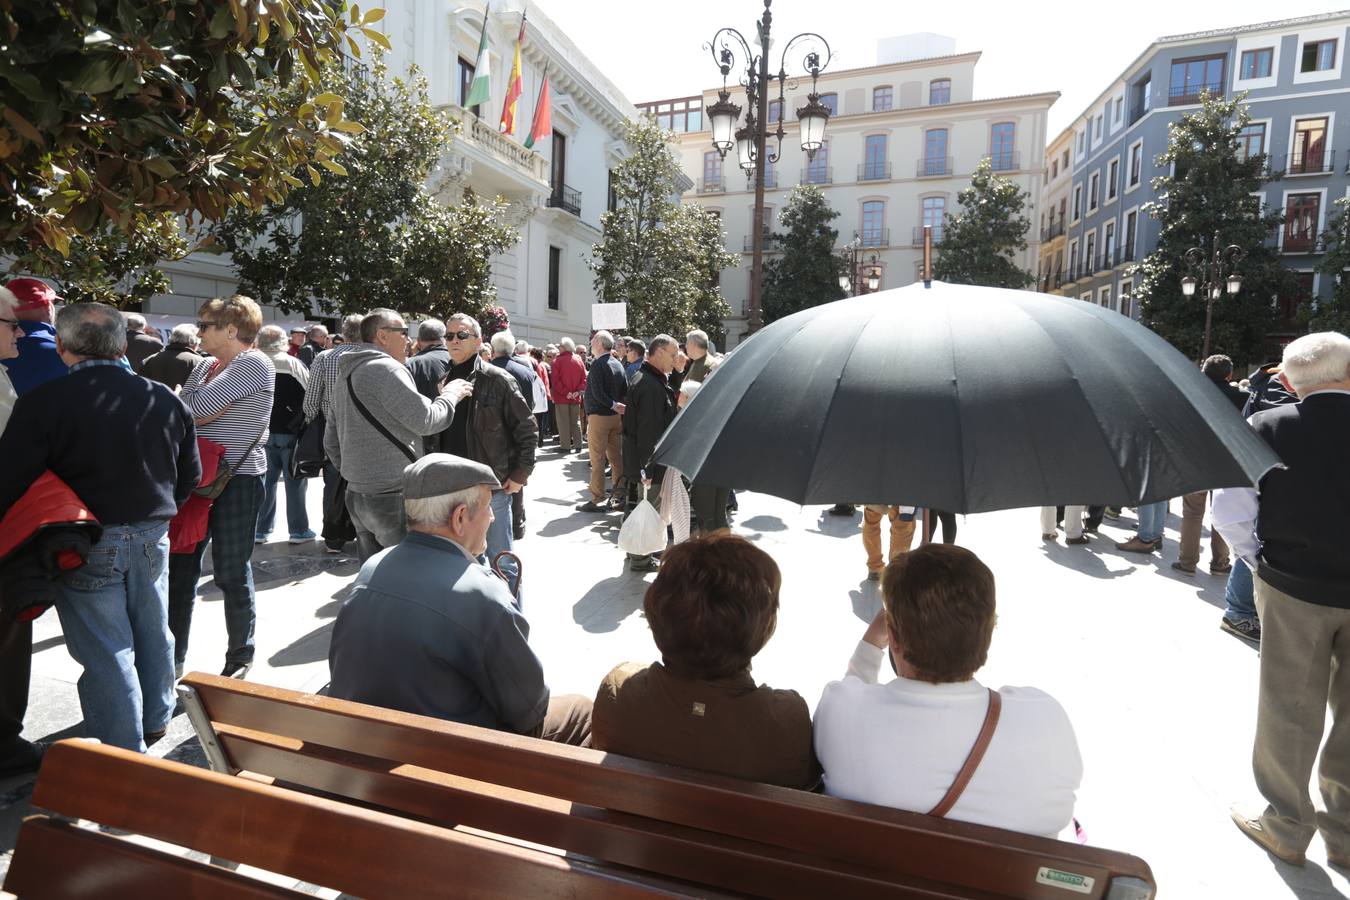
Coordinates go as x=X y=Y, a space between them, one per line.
x=542 y=126
x=480 y=90
x=513 y=88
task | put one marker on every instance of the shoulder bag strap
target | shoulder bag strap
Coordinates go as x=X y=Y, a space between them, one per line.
x=973 y=760
x=235 y=468
x=376 y=422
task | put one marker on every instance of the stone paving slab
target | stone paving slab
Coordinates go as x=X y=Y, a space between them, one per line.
x=1164 y=703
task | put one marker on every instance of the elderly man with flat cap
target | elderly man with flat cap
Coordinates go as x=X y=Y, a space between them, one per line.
x=429 y=629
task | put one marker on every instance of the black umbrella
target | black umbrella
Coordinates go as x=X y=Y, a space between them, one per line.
x=965 y=399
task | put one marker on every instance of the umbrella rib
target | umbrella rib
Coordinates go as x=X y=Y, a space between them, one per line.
x=960 y=417
x=824 y=430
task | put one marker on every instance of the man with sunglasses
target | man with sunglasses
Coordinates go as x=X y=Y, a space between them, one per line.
x=379 y=420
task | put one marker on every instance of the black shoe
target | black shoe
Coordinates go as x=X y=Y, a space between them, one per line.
x=646 y=564
x=518 y=534
x=235 y=669
x=333 y=546
x=590 y=506
x=154 y=737
x=842 y=509
x=20 y=757
x=1247 y=629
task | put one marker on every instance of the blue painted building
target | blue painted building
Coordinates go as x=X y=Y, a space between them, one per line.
x=1298 y=92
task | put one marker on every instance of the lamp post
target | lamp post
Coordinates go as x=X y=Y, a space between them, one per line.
x=861 y=272
x=751 y=139
x=1217 y=272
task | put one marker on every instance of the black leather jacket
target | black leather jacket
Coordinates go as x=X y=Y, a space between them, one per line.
x=502 y=433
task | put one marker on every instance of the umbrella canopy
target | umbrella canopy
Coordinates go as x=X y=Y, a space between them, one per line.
x=964 y=399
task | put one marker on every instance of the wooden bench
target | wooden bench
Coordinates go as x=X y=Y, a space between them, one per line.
x=709 y=832
x=310 y=839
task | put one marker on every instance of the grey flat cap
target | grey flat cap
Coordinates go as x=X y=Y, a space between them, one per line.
x=438 y=474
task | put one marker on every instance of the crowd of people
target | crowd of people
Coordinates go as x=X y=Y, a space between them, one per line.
x=426 y=441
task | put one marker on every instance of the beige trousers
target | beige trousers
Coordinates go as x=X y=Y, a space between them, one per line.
x=901 y=535
x=1192 y=518
x=1305 y=665
x=603 y=437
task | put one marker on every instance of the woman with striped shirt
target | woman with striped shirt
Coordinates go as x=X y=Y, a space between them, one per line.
x=230 y=396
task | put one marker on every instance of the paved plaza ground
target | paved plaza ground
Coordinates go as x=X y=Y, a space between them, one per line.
x=1163 y=702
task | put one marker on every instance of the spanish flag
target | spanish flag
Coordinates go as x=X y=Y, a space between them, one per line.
x=513 y=87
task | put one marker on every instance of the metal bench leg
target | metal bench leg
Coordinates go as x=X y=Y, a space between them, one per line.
x=201 y=723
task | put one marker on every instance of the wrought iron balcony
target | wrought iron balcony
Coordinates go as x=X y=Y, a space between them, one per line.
x=874 y=237
x=566 y=199
x=1005 y=161
x=1179 y=95
x=876 y=170
x=917 y=239
x=1310 y=162
x=1052 y=231
x=817 y=175
x=1052 y=280
x=772 y=243
x=715 y=185
x=934 y=166
x=1300 y=242
x=770 y=180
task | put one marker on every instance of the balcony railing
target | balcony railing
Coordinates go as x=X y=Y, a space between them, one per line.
x=566 y=199
x=817 y=175
x=714 y=185
x=1126 y=255
x=770 y=180
x=875 y=237
x=917 y=239
x=1052 y=231
x=1006 y=161
x=771 y=243
x=1179 y=95
x=877 y=170
x=1316 y=162
x=1052 y=280
x=1300 y=242
x=934 y=166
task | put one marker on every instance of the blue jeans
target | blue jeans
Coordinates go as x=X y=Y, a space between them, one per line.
x=234 y=515
x=115 y=617
x=1152 y=518
x=499 y=539
x=1239 y=593
x=279 y=448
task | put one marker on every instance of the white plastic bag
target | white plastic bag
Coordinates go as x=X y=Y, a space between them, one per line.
x=643 y=532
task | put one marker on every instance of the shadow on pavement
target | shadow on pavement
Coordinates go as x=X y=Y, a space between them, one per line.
x=837 y=526
x=56 y=640
x=1087 y=558
x=866 y=600
x=764 y=523
x=575 y=522
x=1307 y=882
x=609 y=601
x=313 y=647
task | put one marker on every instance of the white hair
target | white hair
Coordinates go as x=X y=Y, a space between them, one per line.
x=184 y=334
x=271 y=339
x=568 y=345
x=522 y=347
x=697 y=336
x=689 y=389
x=1318 y=358
x=8 y=303
x=503 y=343
x=135 y=321
x=605 y=338
x=317 y=332
x=435 y=512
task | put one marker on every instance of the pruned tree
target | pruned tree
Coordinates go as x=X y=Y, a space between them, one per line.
x=662 y=259
x=980 y=243
x=806 y=271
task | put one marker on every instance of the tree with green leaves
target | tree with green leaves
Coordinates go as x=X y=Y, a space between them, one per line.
x=806 y=271
x=980 y=243
x=1211 y=193
x=661 y=258
x=124 y=114
x=374 y=236
x=111 y=266
x=1333 y=313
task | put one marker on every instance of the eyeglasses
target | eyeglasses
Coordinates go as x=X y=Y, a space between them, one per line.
x=203 y=324
x=12 y=323
x=459 y=335
x=403 y=330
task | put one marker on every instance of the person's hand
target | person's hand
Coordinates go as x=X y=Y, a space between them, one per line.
x=680 y=362
x=877 y=633
x=456 y=390
x=619 y=408
x=512 y=486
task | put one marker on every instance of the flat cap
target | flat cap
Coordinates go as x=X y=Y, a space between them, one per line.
x=438 y=474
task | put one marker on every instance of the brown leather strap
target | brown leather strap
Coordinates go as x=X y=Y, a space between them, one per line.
x=973 y=760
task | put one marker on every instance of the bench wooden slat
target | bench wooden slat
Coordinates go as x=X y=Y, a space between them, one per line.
x=938 y=850
x=645 y=844
x=336 y=845
x=60 y=861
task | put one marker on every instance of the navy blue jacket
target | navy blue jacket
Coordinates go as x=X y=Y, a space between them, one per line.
x=37 y=362
x=605 y=386
x=125 y=445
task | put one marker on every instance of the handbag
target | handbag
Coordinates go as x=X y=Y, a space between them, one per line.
x=643 y=532
x=375 y=423
x=216 y=486
x=307 y=459
x=338 y=527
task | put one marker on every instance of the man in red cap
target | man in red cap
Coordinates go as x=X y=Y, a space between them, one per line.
x=37 y=362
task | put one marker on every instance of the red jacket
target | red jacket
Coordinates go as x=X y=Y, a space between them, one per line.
x=188 y=528
x=569 y=378
x=47 y=531
x=542 y=371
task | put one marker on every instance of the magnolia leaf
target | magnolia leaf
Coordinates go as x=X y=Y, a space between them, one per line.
x=377 y=37
x=333 y=167
x=326 y=98
x=349 y=127
x=23 y=126
x=373 y=15
x=313 y=175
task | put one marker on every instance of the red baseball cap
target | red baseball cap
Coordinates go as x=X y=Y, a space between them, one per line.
x=32 y=293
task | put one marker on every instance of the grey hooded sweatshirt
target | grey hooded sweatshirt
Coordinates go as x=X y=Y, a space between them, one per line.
x=367 y=459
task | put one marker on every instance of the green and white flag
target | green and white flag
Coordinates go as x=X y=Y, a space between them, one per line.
x=480 y=90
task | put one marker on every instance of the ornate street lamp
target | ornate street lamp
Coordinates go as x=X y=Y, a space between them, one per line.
x=751 y=140
x=1217 y=272
x=859 y=272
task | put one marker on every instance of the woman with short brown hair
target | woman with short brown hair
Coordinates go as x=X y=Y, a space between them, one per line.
x=713 y=606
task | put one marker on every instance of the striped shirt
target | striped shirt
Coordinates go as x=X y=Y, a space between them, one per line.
x=242 y=396
x=323 y=379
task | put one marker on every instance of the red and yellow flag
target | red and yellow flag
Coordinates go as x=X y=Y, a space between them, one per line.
x=513 y=87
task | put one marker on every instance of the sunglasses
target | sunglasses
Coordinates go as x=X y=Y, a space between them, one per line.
x=459 y=335
x=403 y=330
x=203 y=324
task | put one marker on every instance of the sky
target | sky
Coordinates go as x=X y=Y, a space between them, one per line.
x=654 y=51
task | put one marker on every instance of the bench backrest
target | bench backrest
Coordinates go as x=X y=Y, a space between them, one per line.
x=313 y=839
x=637 y=813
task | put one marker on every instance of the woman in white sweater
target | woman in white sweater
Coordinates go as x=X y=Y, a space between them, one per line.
x=909 y=742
